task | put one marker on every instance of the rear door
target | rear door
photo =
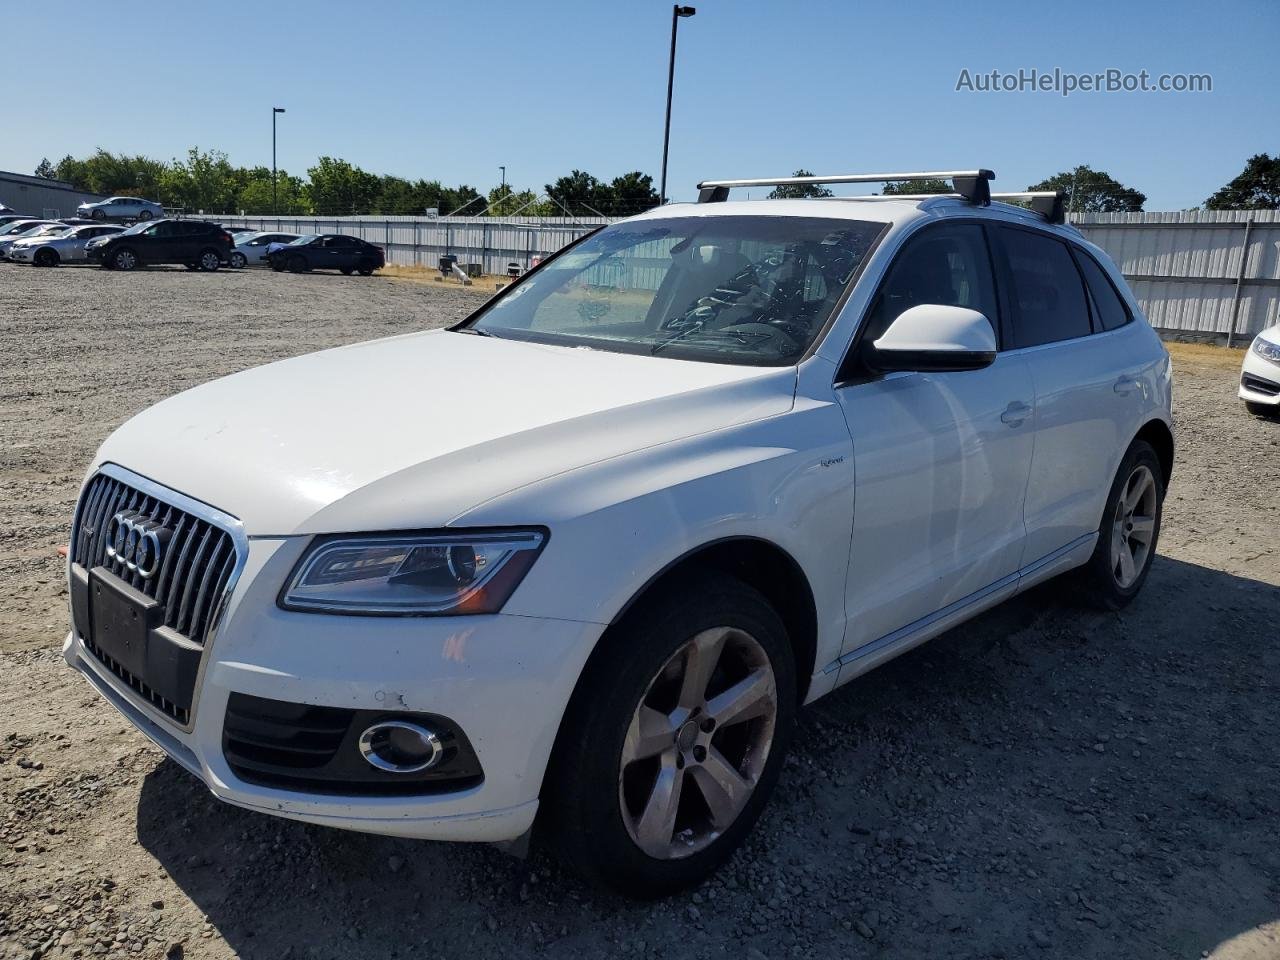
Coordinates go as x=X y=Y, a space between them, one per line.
x=941 y=459
x=1088 y=383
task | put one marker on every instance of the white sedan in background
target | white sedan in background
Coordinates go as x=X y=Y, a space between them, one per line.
x=1260 y=374
x=51 y=249
x=252 y=248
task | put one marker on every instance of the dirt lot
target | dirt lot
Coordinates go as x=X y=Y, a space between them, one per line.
x=1044 y=781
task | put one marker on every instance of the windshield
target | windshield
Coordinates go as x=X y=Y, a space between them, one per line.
x=142 y=227
x=18 y=226
x=302 y=241
x=727 y=289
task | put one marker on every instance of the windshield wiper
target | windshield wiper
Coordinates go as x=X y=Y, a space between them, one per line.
x=475 y=332
x=735 y=335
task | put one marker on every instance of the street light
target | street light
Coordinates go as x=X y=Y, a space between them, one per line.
x=676 y=13
x=275 y=204
x=502 y=190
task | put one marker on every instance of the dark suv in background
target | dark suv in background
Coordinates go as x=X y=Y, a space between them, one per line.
x=329 y=251
x=198 y=244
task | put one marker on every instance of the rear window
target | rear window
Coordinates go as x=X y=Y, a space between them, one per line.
x=1047 y=291
x=1108 y=307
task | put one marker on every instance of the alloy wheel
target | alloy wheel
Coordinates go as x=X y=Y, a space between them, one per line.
x=209 y=261
x=698 y=743
x=1133 y=528
x=125 y=260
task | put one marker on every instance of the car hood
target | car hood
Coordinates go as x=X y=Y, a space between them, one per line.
x=412 y=431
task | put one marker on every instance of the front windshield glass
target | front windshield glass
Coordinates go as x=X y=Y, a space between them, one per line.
x=305 y=240
x=142 y=227
x=727 y=289
x=18 y=226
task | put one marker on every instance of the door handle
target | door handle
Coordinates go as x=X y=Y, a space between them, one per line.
x=1126 y=385
x=1015 y=413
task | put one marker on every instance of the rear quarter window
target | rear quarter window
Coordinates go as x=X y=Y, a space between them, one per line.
x=1108 y=306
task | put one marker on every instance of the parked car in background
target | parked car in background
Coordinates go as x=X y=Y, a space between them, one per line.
x=121 y=208
x=67 y=247
x=328 y=251
x=1260 y=374
x=712 y=462
x=19 y=224
x=9 y=217
x=38 y=229
x=253 y=247
x=197 y=244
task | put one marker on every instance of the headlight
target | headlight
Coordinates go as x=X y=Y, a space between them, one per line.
x=466 y=572
x=1266 y=349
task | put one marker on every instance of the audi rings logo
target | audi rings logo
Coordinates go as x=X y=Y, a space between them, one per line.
x=136 y=542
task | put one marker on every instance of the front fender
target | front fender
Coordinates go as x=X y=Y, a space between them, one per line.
x=616 y=524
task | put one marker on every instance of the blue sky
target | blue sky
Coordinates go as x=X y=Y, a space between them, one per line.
x=450 y=91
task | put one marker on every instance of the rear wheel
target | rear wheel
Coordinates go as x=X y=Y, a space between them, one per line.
x=144 y=215
x=209 y=260
x=238 y=260
x=45 y=258
x=1129 y=532
x=124 y=259
x=366 y=269
x=346 y=271
x=674 y=738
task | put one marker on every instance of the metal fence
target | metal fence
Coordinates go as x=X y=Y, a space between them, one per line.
x=1210 y=273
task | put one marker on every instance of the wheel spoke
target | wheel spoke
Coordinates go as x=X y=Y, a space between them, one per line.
x=657 y=823
x=650 y=733
x=701 y=656
x=750 y=697
x=725 y=790
x=1143 y=528
x=1138 y=484
x=1127 y=570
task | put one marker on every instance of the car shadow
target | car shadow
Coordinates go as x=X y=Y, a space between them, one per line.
x=1042 y=776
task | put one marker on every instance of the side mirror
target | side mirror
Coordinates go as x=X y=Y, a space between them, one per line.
x=933 y=338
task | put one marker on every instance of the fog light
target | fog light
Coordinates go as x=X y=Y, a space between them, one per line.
x=398 y=746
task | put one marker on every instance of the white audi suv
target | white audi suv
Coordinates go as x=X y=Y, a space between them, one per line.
x=575 y=563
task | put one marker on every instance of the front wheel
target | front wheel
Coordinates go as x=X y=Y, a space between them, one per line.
x=1129 y=532
x=124 y=259
x=674 y=738
x=45 y=258
x=1262 y=410
x=296 y=264
x=98 y=215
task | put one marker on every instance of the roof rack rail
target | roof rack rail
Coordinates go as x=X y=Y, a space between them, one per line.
x=1050 y=204
x=973 y=185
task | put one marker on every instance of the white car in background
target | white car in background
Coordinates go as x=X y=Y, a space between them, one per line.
x=253 y=248
x=706 y=465
x=1260 y=374
x=67 y=247
x=121 y=208
x=40 y=228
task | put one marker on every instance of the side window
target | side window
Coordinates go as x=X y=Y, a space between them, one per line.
x=947 y=265
x=1108 y=306
x=1047 y=293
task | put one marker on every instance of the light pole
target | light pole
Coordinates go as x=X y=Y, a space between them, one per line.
x=275 y=204
x=502 y=190
x=676 y=13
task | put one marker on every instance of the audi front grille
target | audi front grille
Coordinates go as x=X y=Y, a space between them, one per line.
x=185 y=558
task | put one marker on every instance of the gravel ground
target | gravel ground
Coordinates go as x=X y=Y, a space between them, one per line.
x=1044 y=781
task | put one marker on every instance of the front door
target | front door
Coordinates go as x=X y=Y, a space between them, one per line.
x=941 y=459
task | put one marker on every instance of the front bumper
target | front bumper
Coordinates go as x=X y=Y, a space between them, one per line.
x=20 y=254
x=1259 y=380
x=503 y=680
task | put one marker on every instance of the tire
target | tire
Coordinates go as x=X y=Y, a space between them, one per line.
x=144 y=215
x=277 y=266
x=97 y=215
x=124 y=259
x=45 y=257
x=209 y=261
x=1109 y=581
x=366 y=269
x=238 y=260
x=604 y=788
x=296 y=264
x=346 y=271
x=1261 y=410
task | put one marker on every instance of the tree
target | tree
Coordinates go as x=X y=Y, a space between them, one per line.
x=204 y=181
x=1257 y=188
x=47 y=170
x=799 y=191
x=629 y=194
x=340 y=188
x=1093 y=191
x=578 y=194
x=927 y=185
